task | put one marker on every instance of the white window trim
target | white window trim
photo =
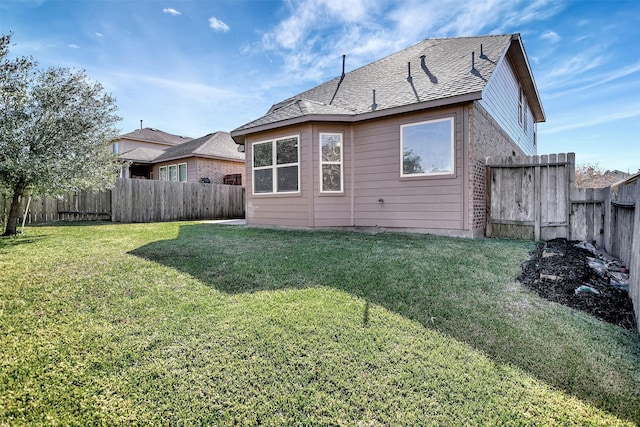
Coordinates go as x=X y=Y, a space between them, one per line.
x=522 y=109
x=186 y=172
x=274 y=166
x=166 y=176
x=452 y=151
x=341 y=163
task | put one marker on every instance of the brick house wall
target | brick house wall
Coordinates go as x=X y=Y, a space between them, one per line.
x=487 y=139
x=216 y=169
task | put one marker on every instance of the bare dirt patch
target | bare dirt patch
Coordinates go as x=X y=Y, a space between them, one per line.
x=559 y=271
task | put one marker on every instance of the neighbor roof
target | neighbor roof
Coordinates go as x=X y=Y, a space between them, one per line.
x=218 y=145
x=155 y=135
x=431 y=73
x=141 y=155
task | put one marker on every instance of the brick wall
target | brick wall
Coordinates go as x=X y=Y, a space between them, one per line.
x=215 y=170
x=486 y=139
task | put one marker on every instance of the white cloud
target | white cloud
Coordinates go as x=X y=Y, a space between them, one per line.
x=309 y=17
x=99 y=34
x=572 y=67
x=551 y=36
x=318 y=31
x=572 y=123
x=595 y=80
x=73 y=46
x=171 y=11
x=218 y=25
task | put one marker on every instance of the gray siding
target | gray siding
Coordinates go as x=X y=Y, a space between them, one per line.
x=500 y=99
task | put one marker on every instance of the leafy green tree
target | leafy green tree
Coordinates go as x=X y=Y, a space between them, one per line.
x=411 y=162
x=56 y=127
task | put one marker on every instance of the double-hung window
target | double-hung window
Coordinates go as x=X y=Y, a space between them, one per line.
x=163 y=173
x=331 y=162
x=427 y=148
x=173 y=173
x=276 y=166
x=182 y=172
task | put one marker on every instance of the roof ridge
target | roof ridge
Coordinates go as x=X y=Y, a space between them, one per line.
x=400 y=81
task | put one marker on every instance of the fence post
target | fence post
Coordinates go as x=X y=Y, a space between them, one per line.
x=606 y=208
x=487 y=198
x=537 y=198
x=570 y=176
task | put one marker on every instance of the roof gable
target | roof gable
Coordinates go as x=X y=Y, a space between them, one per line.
x=431 y=73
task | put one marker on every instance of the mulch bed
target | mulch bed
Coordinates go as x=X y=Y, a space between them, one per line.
x=556 y=278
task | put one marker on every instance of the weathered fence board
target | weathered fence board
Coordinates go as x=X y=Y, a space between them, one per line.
x=587 y=215
x=551 y=206
x=138 y=200
x=534 y=197
x=634 y=255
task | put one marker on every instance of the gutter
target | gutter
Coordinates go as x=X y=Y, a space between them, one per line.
x=239 y=135
x=170 y=159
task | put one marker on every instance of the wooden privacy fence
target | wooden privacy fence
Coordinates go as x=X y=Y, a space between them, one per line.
x=139 y=200
x=535 y=197
x=623 y=235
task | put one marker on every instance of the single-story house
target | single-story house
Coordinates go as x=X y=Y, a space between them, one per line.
x=213 y=158
x=396 y=144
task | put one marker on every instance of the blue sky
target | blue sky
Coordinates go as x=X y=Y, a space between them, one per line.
x=194 y=67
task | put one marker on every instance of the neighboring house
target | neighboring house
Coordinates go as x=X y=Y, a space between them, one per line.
x=212 y=158
x=591 y=177
x=140 y=147
x=399 y=143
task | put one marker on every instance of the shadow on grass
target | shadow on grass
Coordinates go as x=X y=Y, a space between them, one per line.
x=455 y=286
x=78 y=223
x=18 y=239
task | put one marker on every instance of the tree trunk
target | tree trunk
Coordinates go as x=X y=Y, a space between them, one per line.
x=14 y=214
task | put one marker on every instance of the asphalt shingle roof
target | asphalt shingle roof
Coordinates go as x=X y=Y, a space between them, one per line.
x=141 y=155
x=218 y=144
x=439 y=69
x=155 y=135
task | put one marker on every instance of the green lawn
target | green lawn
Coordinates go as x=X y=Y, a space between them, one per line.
x=202 y=324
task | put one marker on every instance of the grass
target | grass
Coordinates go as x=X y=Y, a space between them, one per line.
x=201 y=324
